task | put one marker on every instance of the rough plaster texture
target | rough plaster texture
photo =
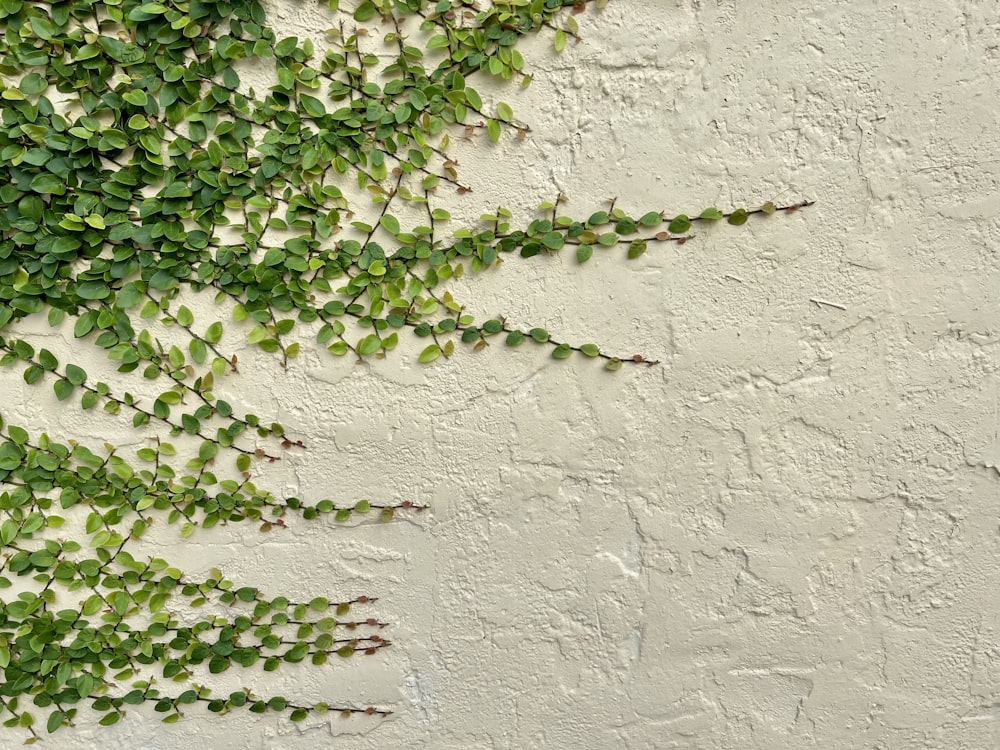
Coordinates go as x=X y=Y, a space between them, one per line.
x=784 y=536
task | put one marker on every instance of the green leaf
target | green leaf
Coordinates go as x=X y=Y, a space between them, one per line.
x=311 y=106
x=48 y=184
x=738 y=217
x=553 y=240
x=417 y=99
x=369 y=344
x=560 y=40
x=63 y=389
x=75 y=375
x=636 y=248
x=504 y=112
x=583 y=253
x=286 y=46
x=208 y=450
x=176 y=190
x=161 y=409
x=430 y=353
x=55 y=721
x=679 y=224
x=214 y=333
x=33 y=84
x=711 y=214
x=390 y=223
x=218 y=664
x=562 y=351
x=93 y=290
x=257 y=334
x=365 y=11
x=162 y=280
x=539 y=334
x=591 y=350
x=199 y=352
x=275 y=256
x=494 y=129
x=84 y=325
x=190 y=424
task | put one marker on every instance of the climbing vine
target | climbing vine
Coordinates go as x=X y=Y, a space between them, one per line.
x=141 y=172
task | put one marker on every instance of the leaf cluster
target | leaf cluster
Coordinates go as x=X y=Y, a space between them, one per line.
x=139 y=171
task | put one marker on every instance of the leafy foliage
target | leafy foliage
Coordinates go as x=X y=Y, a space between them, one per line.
x=137 y=169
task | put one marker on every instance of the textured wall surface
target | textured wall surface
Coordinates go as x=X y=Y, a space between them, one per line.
x=785 y=535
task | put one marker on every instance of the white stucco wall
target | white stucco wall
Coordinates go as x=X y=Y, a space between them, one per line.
x=785 y=535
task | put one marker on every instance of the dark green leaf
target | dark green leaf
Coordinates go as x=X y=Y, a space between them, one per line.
x=738 y=217
x=636 y=248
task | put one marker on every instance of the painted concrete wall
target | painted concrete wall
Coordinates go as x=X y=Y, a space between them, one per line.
x=784 y=536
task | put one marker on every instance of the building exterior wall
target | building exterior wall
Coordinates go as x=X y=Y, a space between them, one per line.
x=785 y=534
